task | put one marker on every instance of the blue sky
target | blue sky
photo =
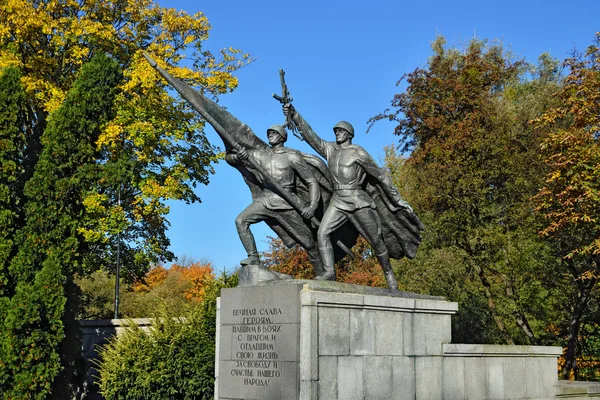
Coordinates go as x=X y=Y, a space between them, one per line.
x=342 y=61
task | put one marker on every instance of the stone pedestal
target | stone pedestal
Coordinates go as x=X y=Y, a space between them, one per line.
x=258 y=343
x=326 y=340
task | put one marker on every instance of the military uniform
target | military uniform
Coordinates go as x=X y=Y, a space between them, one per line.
x=285 y=166
x=351 y=170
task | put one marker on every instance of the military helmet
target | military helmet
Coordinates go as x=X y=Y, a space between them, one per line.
x=279 y=129
x=346 y=126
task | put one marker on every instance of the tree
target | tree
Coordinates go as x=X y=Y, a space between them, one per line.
x=12 y=146
x=98 y=295
x=199 y=275
x=570 y=197
x=473 y=166
x=93 y=163
x=363 y=270
x=39 y=336
x=174 y=289
x=154 y=149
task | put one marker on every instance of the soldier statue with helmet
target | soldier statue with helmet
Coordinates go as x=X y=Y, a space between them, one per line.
x=285 y=166
x=321 y=207
x=364 y=196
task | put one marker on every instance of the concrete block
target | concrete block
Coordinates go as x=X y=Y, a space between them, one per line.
x=408 y=345
x=578 y=390
x=337 y=299
x=388 y=333
x=445 y=329
x=362 y=332
x=549 y=374
x=334 y=331
x=475 y=378
x=328 y=371
x=248 y=383
x=420 y=324
x=436 y=306
x=514 y=378
x=225 y=342
x=437 y=333
x=533 y=378
x=308 y=390
x=488 y=350
x=430 y=333
x=350 y=378
x=309 y=343
x=392 y=303
x=403 y=377
x=282 y=339
x=378 y=378
x=259 y=343
x=217 y=346
x=428 y=377
x=218 y=340
x=235 y=303
x=495 y=377
x=290 y=390
x=453 y=379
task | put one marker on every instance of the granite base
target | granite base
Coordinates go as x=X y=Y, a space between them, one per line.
x=325 y=340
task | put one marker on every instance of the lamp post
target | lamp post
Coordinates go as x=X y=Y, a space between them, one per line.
x=118 y=262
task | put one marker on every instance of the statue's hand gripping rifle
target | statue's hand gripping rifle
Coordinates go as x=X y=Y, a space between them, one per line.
x=285 y=98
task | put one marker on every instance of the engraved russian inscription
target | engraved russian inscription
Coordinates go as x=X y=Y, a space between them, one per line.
x=254 y=342
x=260 y=343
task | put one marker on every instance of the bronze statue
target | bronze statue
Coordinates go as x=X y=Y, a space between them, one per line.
x=364 y=196
x=285 y=166
x=290 y=189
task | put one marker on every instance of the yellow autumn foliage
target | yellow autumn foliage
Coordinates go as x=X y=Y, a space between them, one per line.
x=155 y=146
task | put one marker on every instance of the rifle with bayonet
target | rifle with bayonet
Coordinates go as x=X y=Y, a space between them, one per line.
x=285 y=98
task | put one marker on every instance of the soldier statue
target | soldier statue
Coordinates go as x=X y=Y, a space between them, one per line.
x=292 y=190
x=352 y=169
x=285 y=166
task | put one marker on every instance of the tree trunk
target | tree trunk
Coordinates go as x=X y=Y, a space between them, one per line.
x=37 y=125
x=525 y=327
x=68 y=383
x=492 y=306
x=574 y=325
x=520 y=316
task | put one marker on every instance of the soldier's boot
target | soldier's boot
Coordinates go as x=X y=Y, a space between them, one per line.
x=248 y=242
x=328 y=274
x=252 y=259
x=325 y=270
x=384 y=261
x=321 y=273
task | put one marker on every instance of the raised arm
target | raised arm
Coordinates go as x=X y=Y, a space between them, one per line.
x=319 y=145
x=380 y=175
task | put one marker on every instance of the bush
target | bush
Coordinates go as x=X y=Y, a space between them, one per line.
x=174 y=359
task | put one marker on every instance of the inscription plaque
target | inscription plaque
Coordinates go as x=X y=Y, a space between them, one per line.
x=259 y=339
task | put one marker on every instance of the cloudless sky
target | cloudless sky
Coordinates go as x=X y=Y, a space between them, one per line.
x=342 y=60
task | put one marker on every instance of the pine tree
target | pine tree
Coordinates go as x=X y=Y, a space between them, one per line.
x=12 y=143
x=40 y=349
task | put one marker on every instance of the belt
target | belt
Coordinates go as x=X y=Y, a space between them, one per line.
x=271 y=187
x=339 y=186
